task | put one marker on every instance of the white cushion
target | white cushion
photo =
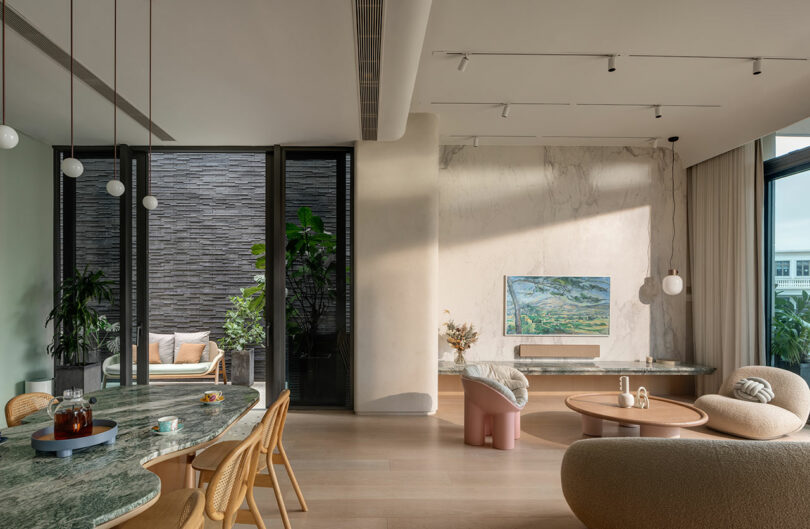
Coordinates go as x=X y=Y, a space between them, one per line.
x=164 y=369
x=192 y=337
x=165 y=346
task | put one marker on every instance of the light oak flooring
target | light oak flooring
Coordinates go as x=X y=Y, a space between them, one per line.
x=383 y=472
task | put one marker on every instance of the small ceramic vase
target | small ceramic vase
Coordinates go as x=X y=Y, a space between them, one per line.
x=626 y=399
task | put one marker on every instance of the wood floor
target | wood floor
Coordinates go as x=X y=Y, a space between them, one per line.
x=417 y=473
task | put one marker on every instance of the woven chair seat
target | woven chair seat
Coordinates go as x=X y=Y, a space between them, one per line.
x=177 y=509
x=210 y=458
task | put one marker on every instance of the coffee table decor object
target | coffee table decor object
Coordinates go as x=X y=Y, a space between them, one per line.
x=664 y=418
x=626 y=399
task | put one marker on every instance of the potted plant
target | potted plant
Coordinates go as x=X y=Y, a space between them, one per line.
x=790 y=333
x=460 y=338
x=243 y=327
x=79 y=329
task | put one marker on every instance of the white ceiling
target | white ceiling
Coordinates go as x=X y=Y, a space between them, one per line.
x=253 y=72
x=752 y=106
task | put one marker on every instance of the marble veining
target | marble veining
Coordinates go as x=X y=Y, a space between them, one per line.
x=98 y=484
x=531 y=366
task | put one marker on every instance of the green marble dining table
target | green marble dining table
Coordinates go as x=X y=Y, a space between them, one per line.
x=97 y=485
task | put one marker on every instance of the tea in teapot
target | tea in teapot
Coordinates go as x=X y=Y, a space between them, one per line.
x=72 y=415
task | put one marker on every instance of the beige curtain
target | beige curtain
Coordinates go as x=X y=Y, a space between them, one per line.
x=725 y=230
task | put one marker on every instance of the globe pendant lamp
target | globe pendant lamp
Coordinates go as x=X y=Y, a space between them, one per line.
x=149 y=201
x=115 y=187
x=8 y=136
x=71 y=166
x=672 y=283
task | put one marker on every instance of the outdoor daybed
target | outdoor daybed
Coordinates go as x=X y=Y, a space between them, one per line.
x=202 y=370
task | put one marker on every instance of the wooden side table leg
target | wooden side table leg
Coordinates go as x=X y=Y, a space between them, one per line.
x=669 y=432
x=591 y=426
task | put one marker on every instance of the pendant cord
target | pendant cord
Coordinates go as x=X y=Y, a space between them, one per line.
x=71 y=77
x=150 y=98
x=672 y=253
x=115 y=90
x=4 y=62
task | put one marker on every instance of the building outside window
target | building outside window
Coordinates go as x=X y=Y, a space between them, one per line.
x=782 y=268
x=803 y=268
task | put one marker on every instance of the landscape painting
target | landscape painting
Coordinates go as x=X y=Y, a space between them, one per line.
x=549 y=306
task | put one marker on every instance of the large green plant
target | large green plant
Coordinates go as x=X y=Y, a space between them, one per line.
x=310 y=275
x=79 y=328
x=790 y=336
x=243 y=326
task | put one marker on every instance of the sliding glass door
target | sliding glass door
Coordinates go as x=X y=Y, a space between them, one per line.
x=788 y=259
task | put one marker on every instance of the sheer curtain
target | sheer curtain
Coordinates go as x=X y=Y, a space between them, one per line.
x=725 y=231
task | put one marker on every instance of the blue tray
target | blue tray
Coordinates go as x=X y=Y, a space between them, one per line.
x=65 y=447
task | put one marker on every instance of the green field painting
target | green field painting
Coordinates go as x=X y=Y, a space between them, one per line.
x=547 y=305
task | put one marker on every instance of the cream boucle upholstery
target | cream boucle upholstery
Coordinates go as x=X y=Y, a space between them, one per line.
x=624 y=483
x=786 y=413
x=507 y=380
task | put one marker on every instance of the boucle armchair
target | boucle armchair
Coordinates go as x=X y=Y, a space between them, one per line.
x=632 y=483
x=785 y=414
x=493 y=398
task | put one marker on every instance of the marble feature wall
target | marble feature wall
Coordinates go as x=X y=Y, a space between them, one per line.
x=575 y=211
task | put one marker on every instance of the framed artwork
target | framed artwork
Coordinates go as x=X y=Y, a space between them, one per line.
x=556 y=306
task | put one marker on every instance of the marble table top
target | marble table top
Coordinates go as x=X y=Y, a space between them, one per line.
x=101 y=483
x=539 y=366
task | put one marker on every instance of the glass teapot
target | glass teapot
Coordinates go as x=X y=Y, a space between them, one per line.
x=72 y=415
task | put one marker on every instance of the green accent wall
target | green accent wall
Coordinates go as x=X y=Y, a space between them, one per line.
x=26 y=265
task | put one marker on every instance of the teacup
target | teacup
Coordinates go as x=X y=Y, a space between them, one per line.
x=212 y=396
x=168 y=423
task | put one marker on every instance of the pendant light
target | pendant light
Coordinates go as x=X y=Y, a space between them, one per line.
x=149 y=201
x=115 y=187
x=8 y=136
x=71 y=166
x=673 y=283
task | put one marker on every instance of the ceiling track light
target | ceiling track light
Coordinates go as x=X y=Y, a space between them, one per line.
x=475 y=141
x=612 y=63
x=71 y=166
x=657 y=109
x=506 y=108
x=8 y=136
x=465 y=60
x=757 y=66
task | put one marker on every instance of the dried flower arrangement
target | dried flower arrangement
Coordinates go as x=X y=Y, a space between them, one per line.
x=460 y=338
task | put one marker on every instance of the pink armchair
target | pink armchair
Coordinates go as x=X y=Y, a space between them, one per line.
x=493 y=398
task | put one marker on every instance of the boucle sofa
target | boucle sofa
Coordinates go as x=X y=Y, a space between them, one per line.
x=632 y=483
x=111 y=368
x=785 y=414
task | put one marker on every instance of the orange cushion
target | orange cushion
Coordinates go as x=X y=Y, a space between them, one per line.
x=189 y=353
x=154 y=356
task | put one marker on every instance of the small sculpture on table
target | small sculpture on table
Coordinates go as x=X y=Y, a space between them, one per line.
x=642 y=398
x=626 y=399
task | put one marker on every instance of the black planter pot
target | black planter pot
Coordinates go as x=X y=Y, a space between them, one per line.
x=86 y=377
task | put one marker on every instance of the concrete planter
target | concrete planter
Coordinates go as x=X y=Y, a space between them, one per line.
x=242 y=367
x=87 y=377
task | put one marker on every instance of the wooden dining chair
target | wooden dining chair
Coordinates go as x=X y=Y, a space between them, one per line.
x=231 y=483
x=272 y=425
x=24 y=405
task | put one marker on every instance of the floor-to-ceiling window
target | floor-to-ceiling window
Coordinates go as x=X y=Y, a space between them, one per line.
x=787 y=237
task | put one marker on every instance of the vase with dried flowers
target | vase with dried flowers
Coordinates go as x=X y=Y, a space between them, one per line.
x=460 y=338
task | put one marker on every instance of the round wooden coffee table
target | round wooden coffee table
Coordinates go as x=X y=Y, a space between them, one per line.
x=664 y=417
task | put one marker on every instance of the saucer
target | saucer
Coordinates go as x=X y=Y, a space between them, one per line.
x=179 y=427
x=220 y=400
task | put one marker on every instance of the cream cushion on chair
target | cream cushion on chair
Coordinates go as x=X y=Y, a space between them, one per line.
x=165 y=346
x=786 y=413
x=192 y=337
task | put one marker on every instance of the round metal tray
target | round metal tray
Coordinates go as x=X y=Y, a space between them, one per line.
x=104 y=432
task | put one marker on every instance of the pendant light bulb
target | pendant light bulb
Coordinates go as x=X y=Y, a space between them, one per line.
x=465 y=60
x=115 y=188
x=8 y=137
x=150 y=202
x=612 y=63
x=72 y=167
x=673 y=283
